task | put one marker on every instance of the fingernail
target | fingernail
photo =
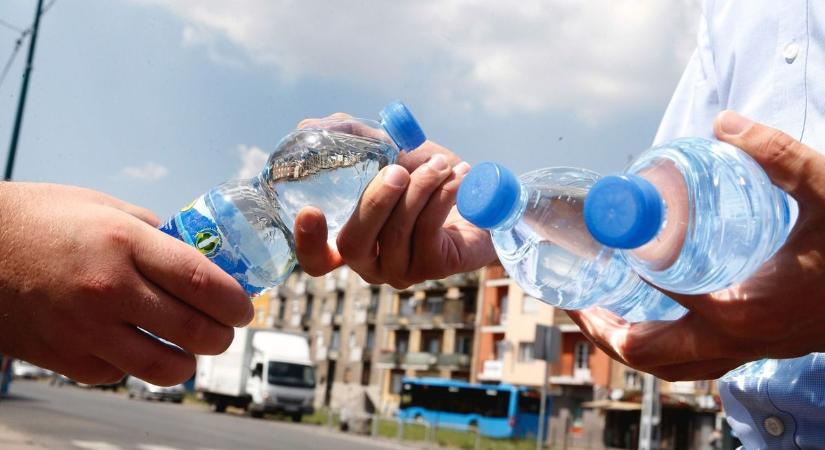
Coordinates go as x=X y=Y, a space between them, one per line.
x=462 y=168
x=395 y=176
x=438 y=162
x=733 y=124
x=310 y=226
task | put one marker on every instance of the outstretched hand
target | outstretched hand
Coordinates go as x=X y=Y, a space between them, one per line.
x=777 y=313
x=405 y=229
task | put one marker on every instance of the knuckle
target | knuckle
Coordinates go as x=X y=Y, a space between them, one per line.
x=118 y=236
x=199 y=278
x=778 y=147
x=101 y=285
x=632 y=352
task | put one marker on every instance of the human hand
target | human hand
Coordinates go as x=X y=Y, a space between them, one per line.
x=777 y=313
x=405 y=229
x=81 y=271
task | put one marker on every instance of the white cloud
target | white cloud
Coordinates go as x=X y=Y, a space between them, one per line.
x=148 y=172
x=591 y=57
x=252 y=161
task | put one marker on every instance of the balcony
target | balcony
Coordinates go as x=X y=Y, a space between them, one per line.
x=395 y=321
x=388 y=359
x=580 y=377
x=492 y=370
x=418 y=360
x=453 y=361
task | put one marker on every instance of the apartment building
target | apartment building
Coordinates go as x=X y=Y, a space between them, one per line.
x=506 y=335
x=339 y=314
x=430 y=331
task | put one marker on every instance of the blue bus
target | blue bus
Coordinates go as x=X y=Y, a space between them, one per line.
x=496 y=410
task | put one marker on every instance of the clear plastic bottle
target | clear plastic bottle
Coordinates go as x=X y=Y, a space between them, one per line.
x=245 y=226
x=539 y=234
x=692 y=215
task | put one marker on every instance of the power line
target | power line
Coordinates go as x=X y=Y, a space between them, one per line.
x=18 y=43
x=5 y=24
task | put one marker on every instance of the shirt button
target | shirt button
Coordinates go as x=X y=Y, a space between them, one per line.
x=774 y=426
x=790 y=53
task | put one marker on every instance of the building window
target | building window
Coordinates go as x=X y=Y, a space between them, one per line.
x=432 y=343
x=339 y=303
x=530 y=305
x=402 y=341
x=434 y=303
x=463 y=344
x=281 y=308
x=525 y=351
x=407 y=305
x=582 y=355
x=370 y=344
x=504 y=304
x=310 y=305
x=501 y=348
x=336 y=340
x=353 y=340
x=632 y=380
x=366 y=374
x=395 y=381
x=375 y=293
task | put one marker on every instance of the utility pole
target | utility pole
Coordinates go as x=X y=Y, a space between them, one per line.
x=651 y=414
x=24 y=89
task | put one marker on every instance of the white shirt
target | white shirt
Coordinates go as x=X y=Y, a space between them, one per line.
x=766 y=60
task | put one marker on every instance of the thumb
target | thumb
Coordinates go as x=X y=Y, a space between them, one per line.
x=314 y=255
x=790 y=164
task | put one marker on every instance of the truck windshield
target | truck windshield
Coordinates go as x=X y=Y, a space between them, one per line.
x=292 y=375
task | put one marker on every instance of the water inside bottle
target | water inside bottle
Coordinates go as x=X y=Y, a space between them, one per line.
x=325 y=169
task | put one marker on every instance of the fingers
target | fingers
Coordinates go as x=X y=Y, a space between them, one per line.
x=139 y=354
x=314 y=254
x=164 y=316
x=790 y=164
x=440 y=204
x=703 y=370
x=647 y=345
x=357 y=241
x=413 y=159
x=187 y=275
x=395 y=239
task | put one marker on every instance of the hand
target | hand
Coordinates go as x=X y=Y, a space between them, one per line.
x=405 y=229
x=80 y=272
x=777 y=313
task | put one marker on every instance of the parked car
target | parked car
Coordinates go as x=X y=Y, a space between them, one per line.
x=148 y=391
x=23 y=369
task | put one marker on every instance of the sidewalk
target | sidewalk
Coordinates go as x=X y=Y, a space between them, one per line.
x=12 y=440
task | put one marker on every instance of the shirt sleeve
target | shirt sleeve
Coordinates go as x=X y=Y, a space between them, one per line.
x=695 y=103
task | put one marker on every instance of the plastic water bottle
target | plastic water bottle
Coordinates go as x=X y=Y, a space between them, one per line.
x=537 y=225
x=692 y=216
x=245 y=226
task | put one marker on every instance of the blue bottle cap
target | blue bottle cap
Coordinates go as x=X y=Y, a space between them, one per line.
x=487 y=195
x=623 y=211
x=401 y=125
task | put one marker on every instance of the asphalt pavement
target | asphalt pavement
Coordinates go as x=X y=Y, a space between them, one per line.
x=72 y=418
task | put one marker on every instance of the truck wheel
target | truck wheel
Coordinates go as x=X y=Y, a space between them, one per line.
x=219 y=407
x=297 y=417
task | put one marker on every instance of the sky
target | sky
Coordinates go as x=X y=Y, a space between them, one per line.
x=155 y=101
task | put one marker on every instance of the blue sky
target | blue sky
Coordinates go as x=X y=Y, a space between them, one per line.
x=155 y=101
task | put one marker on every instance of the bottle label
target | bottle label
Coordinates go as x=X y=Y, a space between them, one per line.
x=195 y=225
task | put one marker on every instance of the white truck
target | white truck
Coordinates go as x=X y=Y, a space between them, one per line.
x=263 y=371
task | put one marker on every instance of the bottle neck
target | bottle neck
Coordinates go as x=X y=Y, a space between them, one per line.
x=519 y=207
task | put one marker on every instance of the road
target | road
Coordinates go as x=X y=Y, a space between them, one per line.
x=71 y=418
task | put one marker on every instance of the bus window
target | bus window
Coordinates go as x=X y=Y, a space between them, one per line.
x=529 y=402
